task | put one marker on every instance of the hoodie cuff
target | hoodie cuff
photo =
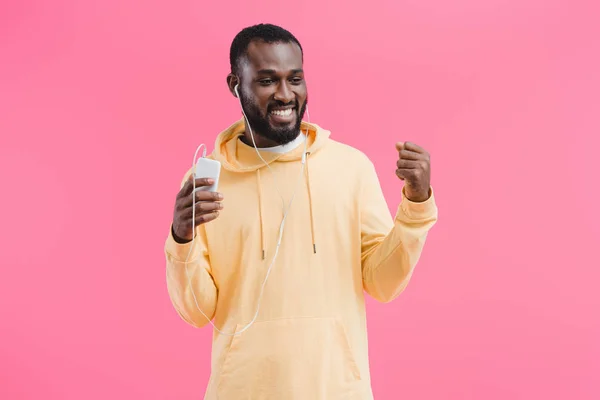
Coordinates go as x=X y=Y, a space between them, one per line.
x=181 y=251
x=418 y=211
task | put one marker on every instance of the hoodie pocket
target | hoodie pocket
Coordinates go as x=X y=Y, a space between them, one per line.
x=301 y=358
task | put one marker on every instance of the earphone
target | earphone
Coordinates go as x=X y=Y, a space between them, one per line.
x=281 y=226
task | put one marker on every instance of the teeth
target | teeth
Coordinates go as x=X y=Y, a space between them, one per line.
x=282 y=113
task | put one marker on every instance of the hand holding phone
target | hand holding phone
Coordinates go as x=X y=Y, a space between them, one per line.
x=207 y=207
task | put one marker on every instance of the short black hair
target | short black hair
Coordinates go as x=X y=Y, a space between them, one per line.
x=267 y=33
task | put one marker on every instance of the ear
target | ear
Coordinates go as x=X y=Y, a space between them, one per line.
x=232 y=81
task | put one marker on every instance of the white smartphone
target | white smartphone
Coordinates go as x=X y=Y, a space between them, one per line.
x=208 y=168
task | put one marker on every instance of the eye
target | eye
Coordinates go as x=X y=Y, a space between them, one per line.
x=266 y=82
x=296 y=80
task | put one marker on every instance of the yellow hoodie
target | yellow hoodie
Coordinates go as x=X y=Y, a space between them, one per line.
x=309 y=341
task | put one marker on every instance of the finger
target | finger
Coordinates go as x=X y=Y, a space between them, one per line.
x=400 y=146
x=408 y=174
x=200 y=196
x=411 y=155
x=200 y=182
x=413 y=147
x=204 y=218
x=191 y=183
x=207 y=206
x=400 y=174
x=201 y=208
x=408 y=164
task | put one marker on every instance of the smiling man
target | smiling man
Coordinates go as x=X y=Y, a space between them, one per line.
x=302 y=333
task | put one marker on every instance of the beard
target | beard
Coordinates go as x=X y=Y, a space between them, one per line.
x=260 y=124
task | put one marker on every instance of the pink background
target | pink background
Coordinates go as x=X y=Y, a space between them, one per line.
x=102 y=105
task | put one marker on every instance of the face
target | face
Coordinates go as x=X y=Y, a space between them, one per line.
x=273 y=91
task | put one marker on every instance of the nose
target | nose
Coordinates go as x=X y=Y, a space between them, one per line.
x=284 y=94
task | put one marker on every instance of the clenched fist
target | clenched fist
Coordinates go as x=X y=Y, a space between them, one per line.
x=208 y=205
x=413 y=168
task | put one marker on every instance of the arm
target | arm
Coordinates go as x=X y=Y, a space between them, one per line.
x=202 y=285
x=190 y=283
x=390 y=247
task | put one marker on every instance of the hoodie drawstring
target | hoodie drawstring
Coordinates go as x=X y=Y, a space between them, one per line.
x=260 y=213
x=261 y=210
x=312 y=219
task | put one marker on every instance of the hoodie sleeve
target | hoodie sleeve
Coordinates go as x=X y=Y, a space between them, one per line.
x=186 y=297
x=391 y=247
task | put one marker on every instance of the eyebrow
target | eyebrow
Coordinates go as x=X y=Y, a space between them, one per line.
x=272 y=71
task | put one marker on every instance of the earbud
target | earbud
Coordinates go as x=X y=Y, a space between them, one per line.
x=235 y=89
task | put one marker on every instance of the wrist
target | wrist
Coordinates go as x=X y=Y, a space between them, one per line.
x=417 y=197
x=177 y=238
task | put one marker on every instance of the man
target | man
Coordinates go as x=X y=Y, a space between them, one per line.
x=303 y=334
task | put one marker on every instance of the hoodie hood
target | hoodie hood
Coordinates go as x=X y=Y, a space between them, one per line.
x=236 y=156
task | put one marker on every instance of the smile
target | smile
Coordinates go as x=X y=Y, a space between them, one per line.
x=282 y=113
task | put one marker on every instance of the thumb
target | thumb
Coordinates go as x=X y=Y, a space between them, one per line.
x=399 y=146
